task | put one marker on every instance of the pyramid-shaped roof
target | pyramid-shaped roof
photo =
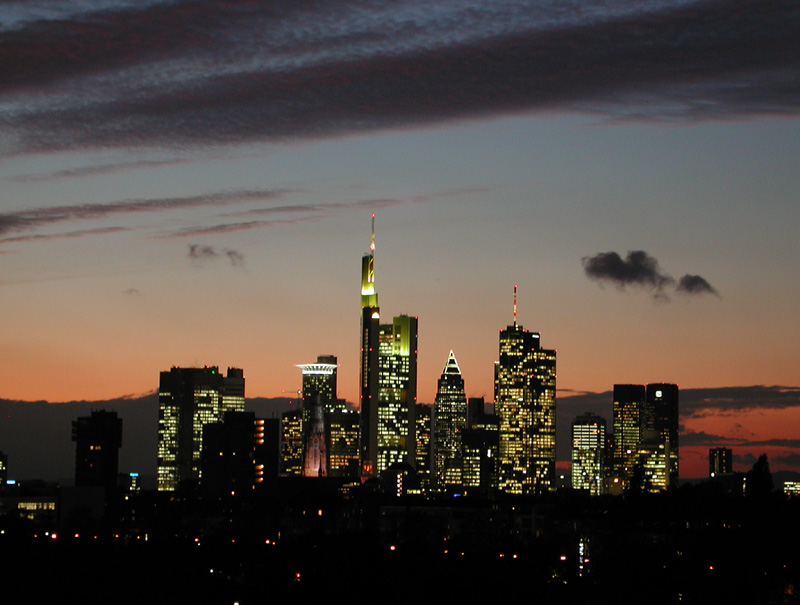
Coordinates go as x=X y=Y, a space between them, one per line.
x=451 y=367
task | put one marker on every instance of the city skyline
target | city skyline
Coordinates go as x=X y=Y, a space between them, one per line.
x=631 y=167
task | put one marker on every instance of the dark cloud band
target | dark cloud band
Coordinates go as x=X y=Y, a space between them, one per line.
x=198 y=73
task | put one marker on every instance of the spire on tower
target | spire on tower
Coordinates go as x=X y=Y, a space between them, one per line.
x=369 y=297
x=515 y=305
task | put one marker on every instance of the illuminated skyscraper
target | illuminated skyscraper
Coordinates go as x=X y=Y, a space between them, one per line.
x=628 y=410
x=189 y=398
x=370 y=327
x=292 y=443
x=450 y=420
x=319 y=396
x=388 y=385
x=659 y=448
x=525 y=396
x=646 y=436
x=397 y=392
x=588 y=453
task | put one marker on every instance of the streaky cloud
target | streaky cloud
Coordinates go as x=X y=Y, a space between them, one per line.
x=36 y=217
x=206 y=73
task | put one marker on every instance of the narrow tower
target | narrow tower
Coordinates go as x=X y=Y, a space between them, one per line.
x=368 y=391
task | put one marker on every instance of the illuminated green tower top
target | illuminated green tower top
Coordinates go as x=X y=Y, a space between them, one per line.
x=369 y=297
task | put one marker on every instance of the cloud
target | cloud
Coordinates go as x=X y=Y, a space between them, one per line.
x=694 y=284
x=700 y=403
x=201 y=253
x=191 y=73
x=66 y=235
x=236 y=258
x=37 y=217
x=694 y=403
x=639 y=269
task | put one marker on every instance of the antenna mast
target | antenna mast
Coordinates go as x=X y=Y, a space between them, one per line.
x=515 y=305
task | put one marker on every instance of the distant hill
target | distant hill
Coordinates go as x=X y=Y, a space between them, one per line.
x=37 y=435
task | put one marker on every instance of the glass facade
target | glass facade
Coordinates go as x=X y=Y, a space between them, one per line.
x=525 y=400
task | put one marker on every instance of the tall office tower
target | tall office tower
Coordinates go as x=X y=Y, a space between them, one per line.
x=424 y=450
x=292 y=443
x=479 y=447
x=368 y=395
x=397 y=392
x=659 y=444
x=228 y=456
x=97 y=441
x=628 y=410
x=388 y=382
x=449 y=421
x=344 y=431
x=720 y=462
x=188 y=399
x=319 y=397
x=588 y=453
x=525 y=396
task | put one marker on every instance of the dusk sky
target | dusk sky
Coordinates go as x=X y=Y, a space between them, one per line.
x=189 y=183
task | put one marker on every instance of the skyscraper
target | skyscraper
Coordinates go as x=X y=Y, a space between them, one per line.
x=628 y=408
x=479 y=447
x=588 y=453
x=397 y=392
x=450 y=420
x=720 y=462
x=660 y=436
x=388 y=385
x=646 y=436
x=368 y=396
x=97 y=441
x=189 y=398
x=319 y=396
x=424 y=451
x=525 y=396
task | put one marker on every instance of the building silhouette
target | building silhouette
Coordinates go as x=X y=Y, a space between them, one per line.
x=188 y=399
x=424 y=449
x=267 y=450
x=97 y=438
x=388 y=384
x=720 y=462
x=479 y=447
x=525 y=396
x=228 y=455
x=588 y=453
x=449 y=421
